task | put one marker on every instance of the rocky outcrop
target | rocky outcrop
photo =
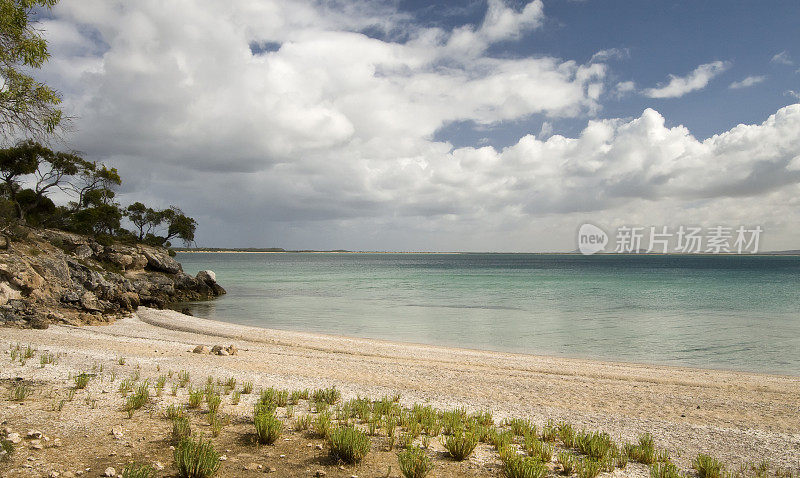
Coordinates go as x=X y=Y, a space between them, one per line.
x=53 y=276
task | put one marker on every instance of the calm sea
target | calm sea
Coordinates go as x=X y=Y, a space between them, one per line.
x=730 y=312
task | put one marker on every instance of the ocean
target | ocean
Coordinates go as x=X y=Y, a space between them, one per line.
x=723 y=312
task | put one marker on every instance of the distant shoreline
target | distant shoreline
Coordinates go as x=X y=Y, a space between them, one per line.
x=258 y=251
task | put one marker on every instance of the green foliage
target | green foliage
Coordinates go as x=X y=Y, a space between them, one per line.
x=326 y=395
x=137 y=400
x=268 y=427
x=195 y=458
x=82 y=380
x=348 y=444
x=460 y=444
x=707 y=466
x=6 y=449
x=27 y=107
x=20 y=392
x=516 y=466
x=538 y=449
x=644 y=451
x=567 y=462
x=588 y=468
x=664 y=470
x=138 y=470
x=181 y=428
x=247 y=388
x=414 y=462
x=594 y=444
x=195 y=398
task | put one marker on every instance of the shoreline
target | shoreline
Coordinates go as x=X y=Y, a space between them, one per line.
x=736 y=416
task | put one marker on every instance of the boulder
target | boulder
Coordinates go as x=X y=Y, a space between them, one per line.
x=200 y=349
x=161 y=262
x=209 y=277
x=83 y=251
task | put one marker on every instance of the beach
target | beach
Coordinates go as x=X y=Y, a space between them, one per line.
x=737 y=417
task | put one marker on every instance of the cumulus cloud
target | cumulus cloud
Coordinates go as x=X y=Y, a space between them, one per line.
x=327 y=138
x=681 y=85
x=747 y=82
x=782 y=58
x=624 y=87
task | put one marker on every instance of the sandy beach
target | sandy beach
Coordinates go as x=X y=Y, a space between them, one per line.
x=737 y=417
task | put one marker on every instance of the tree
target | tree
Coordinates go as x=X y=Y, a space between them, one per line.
x=180 y=225
x=50 y=170
x=26 y=105
x=144 y=218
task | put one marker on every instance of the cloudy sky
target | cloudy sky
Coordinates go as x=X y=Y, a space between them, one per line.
x=497 y=125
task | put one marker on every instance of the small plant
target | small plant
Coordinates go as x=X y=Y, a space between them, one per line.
x=6 y=449
x=138 y=470
x=183 y=378
x=538 y=449
x=47 y=359
x=348 y=444
x=235 y=397
x=195 y=398
x=196 y=458
x=516 y=466
x=567 y=462
x=644 y=451
x=594 y=444
x=175 y=390
x=268 y=427
x=664 y=470
x=549 y=432
x=500 y=440
x=460 y=444
x=137 y=400
x=173 y=411
x=414 y=462
x=121 y=360
x=230 y=383
x=28 y=353
x=181 y=428
x=216 y=422
x=126 y=386
x=82 y=380
x=247 y=388
x=326 y=395
x=566 y=434
x=213 y=400
x=322 y=424
x=520 y=427
x=302 y=423
x=707 y=466
x=588 y=468
x=20 y=392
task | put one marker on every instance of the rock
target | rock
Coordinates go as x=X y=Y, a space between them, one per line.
x=110 y=471
x=215 y=349
x=55 y=474
x=36 y=445
x=56 y=443
x=200 y=349
x=272 y=469
x=252 y=467
x=14 y=438
x=223 y=352
x=117 y=433
x=39 y=323
x=209 y=277
x=231 y=349
x=319 y=473
x=161 y=262
x=4 y=243
x=34 y=434
x=83 y=252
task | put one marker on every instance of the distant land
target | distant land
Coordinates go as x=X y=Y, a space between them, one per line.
x=790 y=252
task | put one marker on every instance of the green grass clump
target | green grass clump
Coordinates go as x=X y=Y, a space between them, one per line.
x=520 y=427
x=47 y=359
x=183 y=378
x=594 y=444
x=516 y=466
x=137 y=400
x=138 y=470
x=326 y=395
x=247 y=388
x=268 y=427
x=174 y=411
x=322 y=424
x=588 y=468
x=195 y=398
x=707 y=466
x=500 y=440
x=302 y=423
x=181 y=428
x=414 y=462
x=82 y=380
x=273 y=398
x=461 y=443
x=235 y=397
x=348 y=444
x=567 y=462
x=212 y=401
x=644 y=451
x=6 y=449
x=664 y=470
x=20 y=392
x=196 y=458
x=538 y=449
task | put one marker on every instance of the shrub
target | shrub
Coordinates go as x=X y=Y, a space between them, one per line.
x=196 y=458
x=20 y=392
x=47 y=359
x=664 y=470
x=268 y=427
x=181 y=428
x=588 y=468
x=82 y=380
x=414 y=463
x=500 y=439
x=460 y=444
x=348 y=444
x=515 y=466
x=644 y=451
x=326 y=395
x=138 y=470
x=707 y=467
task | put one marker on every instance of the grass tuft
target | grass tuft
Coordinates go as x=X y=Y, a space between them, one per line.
x=348 y=444
x=196 y=458
x=138 y=470
x=707 y=466
x=516 y=466
x=414 y=462
x=82 y=380
x=20 y=392
x=268 y=427
x=460 y=444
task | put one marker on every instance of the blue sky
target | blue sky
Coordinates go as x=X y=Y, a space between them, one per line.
x=485 y=125
x=655 y=39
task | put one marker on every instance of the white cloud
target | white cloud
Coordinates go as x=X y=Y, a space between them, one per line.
x=624 y=87
x=793 y=94
x=747 y=82
x=782 y=58
x=611 y=54
x=328 y=140
x=696 y=80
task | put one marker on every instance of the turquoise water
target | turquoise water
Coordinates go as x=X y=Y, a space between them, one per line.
x=730 y=312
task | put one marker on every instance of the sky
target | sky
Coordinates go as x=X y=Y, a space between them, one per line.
x=485 y=125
